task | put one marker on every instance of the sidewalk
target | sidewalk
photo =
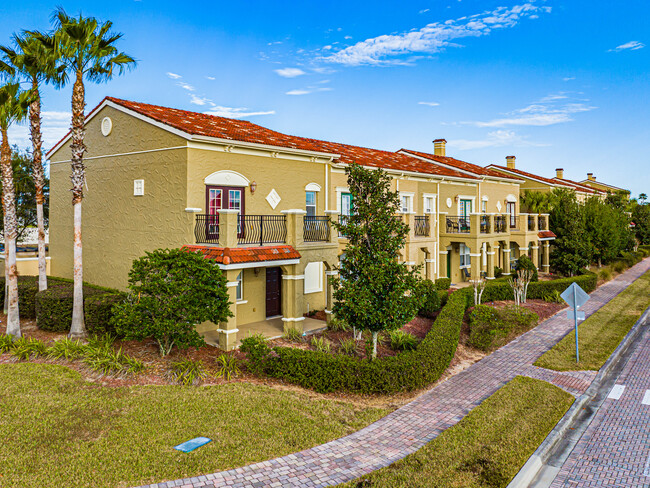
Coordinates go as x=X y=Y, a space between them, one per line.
x=407 y=429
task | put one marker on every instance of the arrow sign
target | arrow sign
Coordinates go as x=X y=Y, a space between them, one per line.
x=575 y=296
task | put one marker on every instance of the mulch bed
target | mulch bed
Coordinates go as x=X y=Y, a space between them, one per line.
x=540 y=307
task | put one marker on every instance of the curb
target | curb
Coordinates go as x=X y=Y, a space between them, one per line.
x=534 y=464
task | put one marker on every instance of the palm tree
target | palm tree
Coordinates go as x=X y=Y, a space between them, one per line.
x=14 y=107
x=642 y=198
x=35 y=65
x=86 y=49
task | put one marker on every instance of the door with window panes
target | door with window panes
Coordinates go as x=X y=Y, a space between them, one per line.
x=465 y=211
x=220 y=198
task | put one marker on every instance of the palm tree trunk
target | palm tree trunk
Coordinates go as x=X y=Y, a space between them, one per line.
x=39 y=182
x=77 y=328
x=11 y=231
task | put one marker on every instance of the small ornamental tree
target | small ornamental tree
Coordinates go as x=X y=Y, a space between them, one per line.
x=641 y=219
x=374 y=291
x=171 y=291
x=571 y=250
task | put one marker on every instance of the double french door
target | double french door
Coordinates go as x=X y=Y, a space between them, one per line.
x=219 y=198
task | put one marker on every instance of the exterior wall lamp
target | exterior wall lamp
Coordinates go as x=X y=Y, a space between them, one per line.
x=253 y=186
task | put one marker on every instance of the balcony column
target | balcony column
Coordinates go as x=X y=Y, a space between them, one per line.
x=475 y=264
x=430 y=267
x=475 y=225
x=506 y=258
x=535 y=224
x=295 y=226
x=546 y=251
x=292 y=292
x=546 y=224
x=444 y=272
x=490 y=262
x=228 y=227
x=228 y=329
x=334 y=234
x=492 y=229
x=534 y=253
x=330 y=294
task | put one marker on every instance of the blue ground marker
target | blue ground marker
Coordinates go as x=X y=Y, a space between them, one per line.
x=189 y=446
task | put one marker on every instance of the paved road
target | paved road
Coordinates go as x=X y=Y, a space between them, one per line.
x=407 y=429
x=614 y=449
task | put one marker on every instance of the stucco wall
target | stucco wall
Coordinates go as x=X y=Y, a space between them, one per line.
x=118 y=227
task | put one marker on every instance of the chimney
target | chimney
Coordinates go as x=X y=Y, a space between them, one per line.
x=439 y=147
x=559 y=173
x=591 y=177
x=510 y=162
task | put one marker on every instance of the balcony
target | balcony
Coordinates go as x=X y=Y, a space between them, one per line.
x=458 y=225
x=500 y=226
x=485 y=224
x=316 y=228
x=422 y=226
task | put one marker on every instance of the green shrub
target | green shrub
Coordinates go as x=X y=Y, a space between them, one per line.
x=553 y=297
x=348 y=347
x=430 y=298
x=619 y=266
x=292 y=334
x=257 y=349
x=188 y=372
x=98 y=312
x=320 y=344
x=337 y=325
x=102 y=358
x=443 y=295
x=228 y=367
x=605 y=274
x=490 y=327
x=27 y=289
x=402 y=341
x=443 y=283
x=498 y=272
x=26 y=348
x=66 y=349
x=6 y=343
x=525 y=263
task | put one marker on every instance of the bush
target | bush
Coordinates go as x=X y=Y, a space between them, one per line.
x=402 y=341
x=320 y=344
x=337 y=325
x=292 y=334
x=228 y=367
x=490 y=327
x=25 y=348
x=525 y=263
x=27 y=290
x=172 y=290
x=98 y=312
x=443 y=283
x=66 y=349
x=619 y=266
x=605 y=274
x=6 y=343
x=257 y=349
x=348 y=347
x=498 y=272
x=54 y=305
x=430 y=299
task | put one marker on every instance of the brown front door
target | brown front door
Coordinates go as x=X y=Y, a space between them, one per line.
x=273 y=292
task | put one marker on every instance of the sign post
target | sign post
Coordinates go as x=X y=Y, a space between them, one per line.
x=575 y=297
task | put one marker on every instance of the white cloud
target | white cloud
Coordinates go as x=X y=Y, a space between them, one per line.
x=290 y=72
x=430 y=104
x=311 y=89
x=632 y=46
x=432 y=38
x=424 y=11
x=185 y=86
x=235 y=113
x=174 y=76
x=298 y=92
x=196 y=100
x=550 y=110
x=55 y=125
x=347 y=37
x=211 y=78
x=569 y=78
x=498 y=138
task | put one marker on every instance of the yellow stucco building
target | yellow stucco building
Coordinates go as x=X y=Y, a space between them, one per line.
x=261 y=204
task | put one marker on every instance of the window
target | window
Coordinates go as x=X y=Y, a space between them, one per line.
x=484 y=206
x=346 y=204
x=310 y=203
x=219 y=198
x=428 y=205
x=465 y=258
x=240 y=287
x=138 y=188
x=406 y=203
x=465 y=209
x=313 y=277
x=510 y=208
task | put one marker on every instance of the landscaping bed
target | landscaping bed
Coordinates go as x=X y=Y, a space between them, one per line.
x=487 y=447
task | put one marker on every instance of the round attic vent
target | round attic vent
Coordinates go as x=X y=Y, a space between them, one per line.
x=107 y=126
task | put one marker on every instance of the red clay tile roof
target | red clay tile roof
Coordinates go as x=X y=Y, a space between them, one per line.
x=525 y=174
x=235 y=255
x=241 y=130
x=586 y=183
x=546 y=234
x=462 y=165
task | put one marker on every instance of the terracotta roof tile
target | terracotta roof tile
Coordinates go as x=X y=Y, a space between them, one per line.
x=525 y=174
x=546 y=234
x=462 y=165
x=237 y=255
x=577 y=186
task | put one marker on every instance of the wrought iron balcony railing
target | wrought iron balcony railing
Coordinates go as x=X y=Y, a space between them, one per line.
x=206 y=229
x=422 y=226
x=261 y=229
x=514 y=221
x=542 y=223
x=485 y=224
x=531 y=222
x=316 y=228
x=458 y=225
x=500 y=226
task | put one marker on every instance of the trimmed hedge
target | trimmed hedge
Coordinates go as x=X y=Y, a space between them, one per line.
x=443 y=283
x=430 y=299
x=54 y=307
x=489 y=327
x=408 y=370
x=27 y=290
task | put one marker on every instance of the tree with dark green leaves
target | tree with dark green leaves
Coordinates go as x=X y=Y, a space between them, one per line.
x=26 y=194
x=374 y=290
x=641 y=219
x=608 y=229
x=171 y=291
x=571 y=249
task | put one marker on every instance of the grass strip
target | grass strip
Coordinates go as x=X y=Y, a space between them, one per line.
x=601 y=333
x=59 y=430
x=485 y=449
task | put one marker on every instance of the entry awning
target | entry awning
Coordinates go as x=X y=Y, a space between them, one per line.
x=248 y=257
x=546 y=235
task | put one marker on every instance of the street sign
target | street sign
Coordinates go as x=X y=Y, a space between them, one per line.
x=576 y=297
x=576 y=300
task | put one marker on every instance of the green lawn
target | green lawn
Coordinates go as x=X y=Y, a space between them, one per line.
x=487 y=448
x=59 y=430
x=600 y=334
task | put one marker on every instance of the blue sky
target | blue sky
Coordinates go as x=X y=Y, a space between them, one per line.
x=556 y=83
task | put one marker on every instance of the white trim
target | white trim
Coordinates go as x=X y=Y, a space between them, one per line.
x=524 y=177
x=226 y=178
x=241 y=302
x=443 y=252
x=294 y=211
x=490 y=253
x=484 y=198
x=433 y=207
x=232 y=284
x=510 y=198
x=475 y=254
x=409 y=263
x=193 y=210
x=298 y=319
x=312 y=187
x=331 y=273
x=507 y=250
x=90 y=158
x=259 y=264
x=229 y=331
x=293 y=277
x=537 y=247
x=313 y=278
x=429 y=260
x=332 y=212
x=227 y=211
x=465 y=197
x=546 y=239
x=328 y=312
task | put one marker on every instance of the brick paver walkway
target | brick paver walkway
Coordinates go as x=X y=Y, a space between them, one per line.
x=407 y=429
x=614 y=451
